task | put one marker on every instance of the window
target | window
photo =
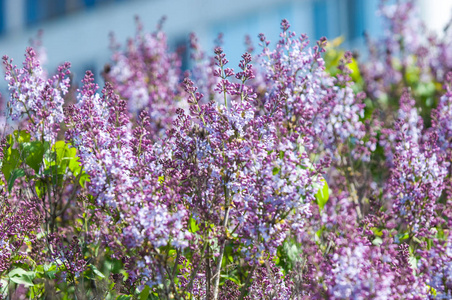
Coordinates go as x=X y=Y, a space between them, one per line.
x=2 y=16
x=41 y=10
x=320 y=19
x=355 y=19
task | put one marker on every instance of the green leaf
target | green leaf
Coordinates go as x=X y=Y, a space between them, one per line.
x=124 y=297
x=377 y=231
x=20 y=276
x=289 y=253
x=193 y=225
x=413 y=262
x=9 y=140
x=356 y=75
x=74 y=166
x=4 y=288
x=318 y=234
x=402 y=236
x=115 y=266
x=145 y=293
x=51 y=274
x=83 y=179
x=322 y=195
x=16 y=173
x=21 y=136
x=50 y=270
x=377 y=241
x=292 y=251
x=11 y=161
x=64 y=155
x=96 y=271
x=228 y=253
x=33 y=152
x=275 y=170
x=232 y=278
x=40 y=188
x=417 y=240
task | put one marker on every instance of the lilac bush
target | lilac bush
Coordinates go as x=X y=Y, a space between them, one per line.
x=301 y=174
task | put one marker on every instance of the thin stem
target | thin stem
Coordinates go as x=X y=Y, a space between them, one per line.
x=216 y=284
x=247 y=283
x=195 y=271
x=208 y=272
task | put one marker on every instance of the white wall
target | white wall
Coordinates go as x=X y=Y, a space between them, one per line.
x=82 y=38
x=436 y=13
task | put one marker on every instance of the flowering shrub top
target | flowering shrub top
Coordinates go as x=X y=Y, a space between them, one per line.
x=302 y=174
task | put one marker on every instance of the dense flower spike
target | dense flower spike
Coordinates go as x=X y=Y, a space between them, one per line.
x=19 y=223
x=147 y=75
x=98 y=127
x=417 y=180
x=34 y=96
x=437 y=264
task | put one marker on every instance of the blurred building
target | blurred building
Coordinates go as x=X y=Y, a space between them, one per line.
x=78 y=30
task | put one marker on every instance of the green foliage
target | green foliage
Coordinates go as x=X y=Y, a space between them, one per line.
x=322 y=195
x=57 y=160
x=11 y=161
x=288 y=254
x=20 y=276
x=16 y=173
x=332 y=58
x=194 y=227
x=92 y=272
x=145 y=293
x=21 y=136
x=33 y=152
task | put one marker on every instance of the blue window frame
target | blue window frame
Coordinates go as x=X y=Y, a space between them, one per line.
x=40 y=10
x=89 y=3
x=320 y=19
x=33 y=11
x=356 y=18
x=2 y=16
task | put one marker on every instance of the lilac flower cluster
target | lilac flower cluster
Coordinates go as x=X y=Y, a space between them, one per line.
x=18 y=227
x=414 y=195
x=437 y=264
x=98 y=128
x=34 y=96
x=146 y=74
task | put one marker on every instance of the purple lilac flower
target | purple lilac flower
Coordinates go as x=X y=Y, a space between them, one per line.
x=147 y=75
x=305 y=96
x=98 y=127
x=33 y=96
x=18 y=227
x=437 y=264
x=417 y=180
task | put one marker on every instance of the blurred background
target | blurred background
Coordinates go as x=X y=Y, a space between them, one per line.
x=78 y=30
